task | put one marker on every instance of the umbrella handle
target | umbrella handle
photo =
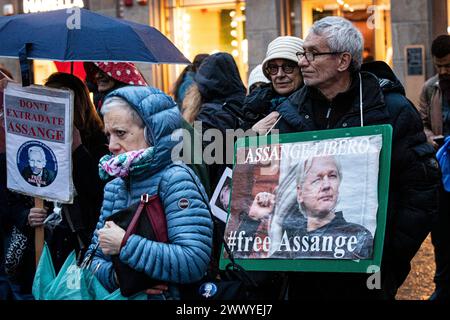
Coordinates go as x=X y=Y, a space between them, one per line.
x=25 y=68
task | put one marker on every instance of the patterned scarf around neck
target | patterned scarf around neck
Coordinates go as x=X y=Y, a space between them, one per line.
x=122 y=164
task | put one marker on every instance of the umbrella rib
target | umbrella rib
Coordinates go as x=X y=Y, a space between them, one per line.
x=67 y=44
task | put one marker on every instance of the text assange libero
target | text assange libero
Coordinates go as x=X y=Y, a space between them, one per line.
x=333 y=147
x=340 y=245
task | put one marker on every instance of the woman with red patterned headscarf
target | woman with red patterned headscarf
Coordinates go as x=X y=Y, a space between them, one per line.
x=108 y=76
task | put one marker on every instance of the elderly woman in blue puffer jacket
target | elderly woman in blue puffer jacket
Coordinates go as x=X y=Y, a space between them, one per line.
x=139 y=122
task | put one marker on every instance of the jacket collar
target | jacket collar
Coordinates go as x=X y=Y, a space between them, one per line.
x=372 y=95
x=301 y=102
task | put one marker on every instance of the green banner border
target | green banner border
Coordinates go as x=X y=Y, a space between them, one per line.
x=326 y=265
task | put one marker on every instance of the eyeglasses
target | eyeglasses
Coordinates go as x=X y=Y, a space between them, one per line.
x=310 y=56
x=272 y=69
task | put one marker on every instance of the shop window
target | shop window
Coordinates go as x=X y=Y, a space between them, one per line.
x=42 y=69
x=319 y=14
x=371 y=17
x=209 y=27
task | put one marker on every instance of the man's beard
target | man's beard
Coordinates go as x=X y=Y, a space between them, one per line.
x=444 y=84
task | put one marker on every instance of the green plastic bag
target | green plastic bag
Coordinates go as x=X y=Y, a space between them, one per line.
x=45 y=274
x=71 y=283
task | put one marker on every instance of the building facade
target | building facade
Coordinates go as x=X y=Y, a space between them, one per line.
x=399 y=32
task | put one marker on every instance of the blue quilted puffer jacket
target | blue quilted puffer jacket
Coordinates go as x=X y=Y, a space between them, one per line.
x=186 y=257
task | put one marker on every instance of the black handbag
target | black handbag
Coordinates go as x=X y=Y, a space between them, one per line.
x=147 y=219
x=234 y=283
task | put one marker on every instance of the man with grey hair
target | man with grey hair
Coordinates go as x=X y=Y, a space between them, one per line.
x=318 y=183
x=319 y=178
x=314 y=230
x=36 y=173
x=338 y=93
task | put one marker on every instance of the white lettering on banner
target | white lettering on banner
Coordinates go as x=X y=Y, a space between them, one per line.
x=262 y=154
x=299 y=151
x=338 y=245
x=33 y=6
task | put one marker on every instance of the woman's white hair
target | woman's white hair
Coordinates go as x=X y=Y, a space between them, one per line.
x=341 y=36
x=117 y=102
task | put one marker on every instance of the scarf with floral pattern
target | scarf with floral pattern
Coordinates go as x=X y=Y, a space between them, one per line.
x=122 y=164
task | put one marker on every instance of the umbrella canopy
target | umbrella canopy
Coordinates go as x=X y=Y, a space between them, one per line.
x=96 y=38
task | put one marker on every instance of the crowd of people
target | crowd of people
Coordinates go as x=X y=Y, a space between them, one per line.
x=122 y=147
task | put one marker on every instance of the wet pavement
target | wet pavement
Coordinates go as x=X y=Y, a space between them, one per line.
x=419 y=285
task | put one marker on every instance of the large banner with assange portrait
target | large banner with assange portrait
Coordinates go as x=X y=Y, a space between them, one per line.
x=312 y=201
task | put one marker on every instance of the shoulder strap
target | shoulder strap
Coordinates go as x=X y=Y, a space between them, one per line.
x=66 y=212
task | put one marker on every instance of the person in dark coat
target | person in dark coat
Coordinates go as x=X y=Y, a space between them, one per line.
x=186 y=79
x=15 y=280
x=16 y=283
x=217 y=82
x=218 y=87
x=434 y=108
x=281 y=69
x=331 y=68
x=74 y=223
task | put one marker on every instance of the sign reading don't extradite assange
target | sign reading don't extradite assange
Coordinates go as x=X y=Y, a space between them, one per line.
x=311 y=201
x=38 y=125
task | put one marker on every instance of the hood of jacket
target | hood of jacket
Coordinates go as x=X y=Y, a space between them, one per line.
x=161 y=116
x=387 y=79
x=218 y=79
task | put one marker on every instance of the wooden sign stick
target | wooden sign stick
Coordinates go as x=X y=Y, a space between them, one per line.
x=38 y=233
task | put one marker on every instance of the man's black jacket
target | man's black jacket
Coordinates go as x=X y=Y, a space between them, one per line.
x=414 y=179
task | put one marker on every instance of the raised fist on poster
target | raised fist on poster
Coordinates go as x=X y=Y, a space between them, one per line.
x=262 y=206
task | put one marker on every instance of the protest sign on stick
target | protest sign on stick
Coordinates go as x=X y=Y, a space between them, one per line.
x=38 y=125
x=38 y=233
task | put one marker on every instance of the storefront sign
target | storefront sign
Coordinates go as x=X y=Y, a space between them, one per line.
x=33 y=6
x=414 y=60
x=310 y=201
x=38 y=124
